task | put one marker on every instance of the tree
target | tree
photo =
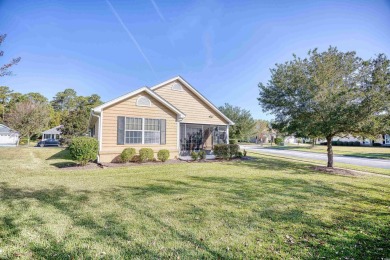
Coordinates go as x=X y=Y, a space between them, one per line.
x=327 y=94
x=29 y=118
x=65 y=100
x=262 y=130
x=5 y=95
x=75 y=123
x=4 y=70
x=244 y=122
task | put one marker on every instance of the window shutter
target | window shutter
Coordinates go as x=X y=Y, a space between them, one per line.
x=121 y=130
x=163 y=131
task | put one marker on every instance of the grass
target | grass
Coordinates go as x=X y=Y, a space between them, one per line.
x=264 y=208
x=355 y=151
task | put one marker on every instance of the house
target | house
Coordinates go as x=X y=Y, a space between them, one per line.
x=53 y=133
x=8 y=137
x=172 y=115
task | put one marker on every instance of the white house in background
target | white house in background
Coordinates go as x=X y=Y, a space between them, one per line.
x=8 y=137
x=54 y=133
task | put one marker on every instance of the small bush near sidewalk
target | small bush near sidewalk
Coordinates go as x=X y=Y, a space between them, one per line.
x=146 y=154
x=84 y=149
x=127 y=155
x=163 y=155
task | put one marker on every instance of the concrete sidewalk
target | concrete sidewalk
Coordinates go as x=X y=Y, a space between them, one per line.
x=375 y=163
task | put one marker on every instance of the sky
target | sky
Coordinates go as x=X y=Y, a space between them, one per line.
x=222 y=48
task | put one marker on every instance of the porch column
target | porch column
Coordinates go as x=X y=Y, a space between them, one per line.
x=227 y=133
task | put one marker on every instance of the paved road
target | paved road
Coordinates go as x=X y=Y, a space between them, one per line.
x=376 y=163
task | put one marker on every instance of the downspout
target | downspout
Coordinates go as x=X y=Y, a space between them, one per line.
x=99 y=133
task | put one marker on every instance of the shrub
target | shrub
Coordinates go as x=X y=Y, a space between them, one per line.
x=202 y=155
x=146 y=154
x=324 y=143
x=163 y=155
x=127 y=154
x=239 y=154
x=194 y=155
x=222 y=151
x=278 y=140
x=233 y=150
x=232 y=141
x=377 y=144
x=226 y=151
x=356 y=143
x=84 y=149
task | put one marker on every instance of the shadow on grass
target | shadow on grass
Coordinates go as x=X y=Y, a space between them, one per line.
x=64 y=158
x=369 y=155
x=275 y=200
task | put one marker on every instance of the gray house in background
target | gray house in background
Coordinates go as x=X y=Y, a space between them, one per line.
x=54 y=133
x=8 y=136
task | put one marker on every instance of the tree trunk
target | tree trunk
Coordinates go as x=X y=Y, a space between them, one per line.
x=330 y=151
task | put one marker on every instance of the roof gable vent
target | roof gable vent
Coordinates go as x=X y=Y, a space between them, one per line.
x=143 y=102
x=177 y=86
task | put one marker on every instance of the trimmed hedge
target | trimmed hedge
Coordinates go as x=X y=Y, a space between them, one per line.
x=343 y=143
x=84 y=149
x=163 y=155
x=232 y=141
x=226 y=151
x=127 y=154
x=146 y=154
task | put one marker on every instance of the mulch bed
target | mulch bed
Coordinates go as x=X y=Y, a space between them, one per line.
x=336 y=171
x=132 y=164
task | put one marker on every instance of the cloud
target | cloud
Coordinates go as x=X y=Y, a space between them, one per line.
x=130 y=35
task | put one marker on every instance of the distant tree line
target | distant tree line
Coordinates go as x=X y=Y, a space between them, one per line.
x=32 y=113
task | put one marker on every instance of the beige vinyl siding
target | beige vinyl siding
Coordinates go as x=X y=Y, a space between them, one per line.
x=193 y=107
x=128 y=108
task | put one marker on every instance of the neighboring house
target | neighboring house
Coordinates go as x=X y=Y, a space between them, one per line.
x=54 y=133
x=8 y=137
x=172 y=115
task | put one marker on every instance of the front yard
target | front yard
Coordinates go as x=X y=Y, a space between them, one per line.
x=259 y=208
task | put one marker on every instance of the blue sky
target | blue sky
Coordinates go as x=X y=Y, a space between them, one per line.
x=223 y=48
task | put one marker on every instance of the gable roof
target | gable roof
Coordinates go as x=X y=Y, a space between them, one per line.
x=6 y=130
x=193 y=90
x=54 y=130
x=135 y=92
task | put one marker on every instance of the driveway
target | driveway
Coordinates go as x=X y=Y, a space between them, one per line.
x=375 y=163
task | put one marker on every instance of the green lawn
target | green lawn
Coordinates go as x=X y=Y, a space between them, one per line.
x=356 y=151
x=264 y=208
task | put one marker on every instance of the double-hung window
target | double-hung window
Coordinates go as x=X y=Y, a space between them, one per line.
x=142 y=131
x=133 y=130
x=152 y=131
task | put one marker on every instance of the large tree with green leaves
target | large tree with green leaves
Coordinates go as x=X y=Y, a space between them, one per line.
x=244 y=123
x=327 y=94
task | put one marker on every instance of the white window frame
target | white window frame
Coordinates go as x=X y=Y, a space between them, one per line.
x=142 y=131
x=142 y=127
x=142 y=105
